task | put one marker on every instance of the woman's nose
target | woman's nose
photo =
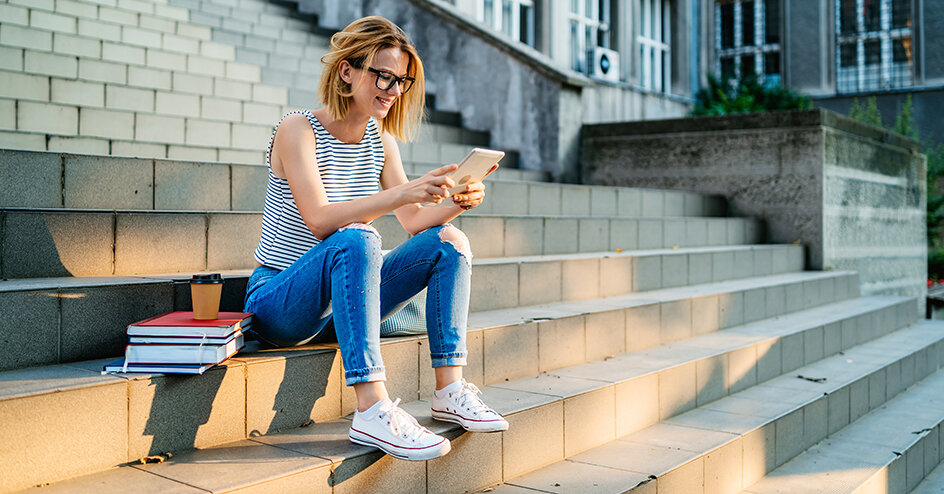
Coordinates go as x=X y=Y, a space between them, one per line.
x=395 y=90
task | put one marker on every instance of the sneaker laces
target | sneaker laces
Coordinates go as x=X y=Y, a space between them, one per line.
x=402 y=423
x=468 y=398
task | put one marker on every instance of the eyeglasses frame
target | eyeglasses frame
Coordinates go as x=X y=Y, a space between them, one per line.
x=358 y=64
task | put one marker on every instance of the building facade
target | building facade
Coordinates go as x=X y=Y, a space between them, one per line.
x=836 y=51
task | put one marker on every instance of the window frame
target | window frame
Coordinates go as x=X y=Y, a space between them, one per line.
x=654 y=45
x=759 y=48
x=861 y=77
x=582 y=25
x=514 y=25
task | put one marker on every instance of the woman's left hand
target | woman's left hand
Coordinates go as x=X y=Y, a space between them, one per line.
x=473 y=195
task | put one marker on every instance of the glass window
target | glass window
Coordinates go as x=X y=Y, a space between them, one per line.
x=747 y=23
x=653 y=39
x=772 y=22
x=513 y=18
x=727 y=25
x=748 y=37
x=874 y=41
x=589 y=28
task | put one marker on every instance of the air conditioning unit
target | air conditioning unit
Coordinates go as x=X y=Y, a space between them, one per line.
x=605 y=64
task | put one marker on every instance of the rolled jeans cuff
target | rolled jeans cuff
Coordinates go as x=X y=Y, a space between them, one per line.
x=367 y=374
x=449 y=359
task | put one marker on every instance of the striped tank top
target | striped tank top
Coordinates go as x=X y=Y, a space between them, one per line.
x=348 y=171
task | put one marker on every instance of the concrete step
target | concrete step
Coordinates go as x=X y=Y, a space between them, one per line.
x=893 y=448
x=933 y=482
x=37 y=179
x=84 y=318
x=624 y=394
x=40 y=243
x=737 y=440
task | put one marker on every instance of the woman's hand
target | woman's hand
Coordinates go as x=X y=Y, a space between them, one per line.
x=474 y=194
x=431 y=187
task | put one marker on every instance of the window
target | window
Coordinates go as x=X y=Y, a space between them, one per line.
x=874 y=45
x=514 y=18
x=747 y=34
x=589 y=28
x=653 y=40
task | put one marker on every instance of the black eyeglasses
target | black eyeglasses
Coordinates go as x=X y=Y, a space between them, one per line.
x=386 y=80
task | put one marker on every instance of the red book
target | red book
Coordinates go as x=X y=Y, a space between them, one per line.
x=182 y=323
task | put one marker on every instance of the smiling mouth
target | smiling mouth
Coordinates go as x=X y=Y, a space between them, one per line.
x=385 y=101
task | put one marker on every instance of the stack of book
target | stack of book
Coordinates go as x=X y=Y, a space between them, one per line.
x=176 y=343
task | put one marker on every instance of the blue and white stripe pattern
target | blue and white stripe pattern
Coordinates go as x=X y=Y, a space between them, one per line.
x=348 y=171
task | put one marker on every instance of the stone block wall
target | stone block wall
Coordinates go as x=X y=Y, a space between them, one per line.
x=854 y=195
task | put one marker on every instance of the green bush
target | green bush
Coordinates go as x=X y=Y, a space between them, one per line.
x=746 y=95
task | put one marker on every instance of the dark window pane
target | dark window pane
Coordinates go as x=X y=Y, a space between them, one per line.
x=772 y=62
x=747 y=23
x=847 y=17
x=727 y=68
x=525 y=25
x=902 y=48
x=727 y=25
x=872 y=11
x=901 y=13
x=772 y=22
x=747 y=65
x=847 y=54
x=873 y=52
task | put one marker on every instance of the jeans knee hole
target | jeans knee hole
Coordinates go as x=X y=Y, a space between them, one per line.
x=454 y=237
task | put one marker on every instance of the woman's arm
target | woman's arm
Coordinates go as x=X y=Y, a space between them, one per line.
x=294 y=155
x=413 y=217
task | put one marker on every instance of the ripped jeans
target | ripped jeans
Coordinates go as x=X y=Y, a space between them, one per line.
x=346 y=281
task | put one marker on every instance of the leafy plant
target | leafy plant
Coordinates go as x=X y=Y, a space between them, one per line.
x=746 y=95
x=866 y=112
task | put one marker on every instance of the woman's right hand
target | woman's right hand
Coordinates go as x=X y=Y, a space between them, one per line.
x=431 y=187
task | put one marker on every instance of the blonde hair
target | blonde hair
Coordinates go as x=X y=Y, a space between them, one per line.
x=358 y=43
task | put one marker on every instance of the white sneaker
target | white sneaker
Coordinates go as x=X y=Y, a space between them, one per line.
x=459 y=403
x=397 y=433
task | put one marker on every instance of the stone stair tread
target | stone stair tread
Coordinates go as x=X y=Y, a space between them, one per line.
x=673 y=444
x=670 y=445
x=36 y=380
x=628 y=253
x=855 y=456
x=28 y=284
x=90 y=281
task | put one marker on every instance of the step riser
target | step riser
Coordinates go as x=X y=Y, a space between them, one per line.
x=34 y=179
x=279 y=394
x=903 y=456
x=747 y=457
x=788 y=436
x=55 y=243
x=66 y=314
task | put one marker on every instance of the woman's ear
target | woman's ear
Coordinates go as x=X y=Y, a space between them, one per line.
x=346 y=71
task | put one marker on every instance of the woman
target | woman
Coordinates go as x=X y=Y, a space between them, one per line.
x=319 y=264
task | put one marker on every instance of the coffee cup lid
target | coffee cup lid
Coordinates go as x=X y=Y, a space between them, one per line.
x=207 y=278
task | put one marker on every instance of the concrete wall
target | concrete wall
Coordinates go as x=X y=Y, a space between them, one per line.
x=854 y=195
x=808 y=46
x=931 y=41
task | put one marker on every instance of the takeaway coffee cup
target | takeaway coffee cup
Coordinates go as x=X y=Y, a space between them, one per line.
x=205 y=290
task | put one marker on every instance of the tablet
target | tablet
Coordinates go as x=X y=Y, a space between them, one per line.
x=474 y=167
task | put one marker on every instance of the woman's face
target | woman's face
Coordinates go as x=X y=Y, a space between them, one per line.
x=368 y=98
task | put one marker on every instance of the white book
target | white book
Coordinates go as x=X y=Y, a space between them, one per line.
x=183 y=340
x=182 y=354
x=119 y=366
